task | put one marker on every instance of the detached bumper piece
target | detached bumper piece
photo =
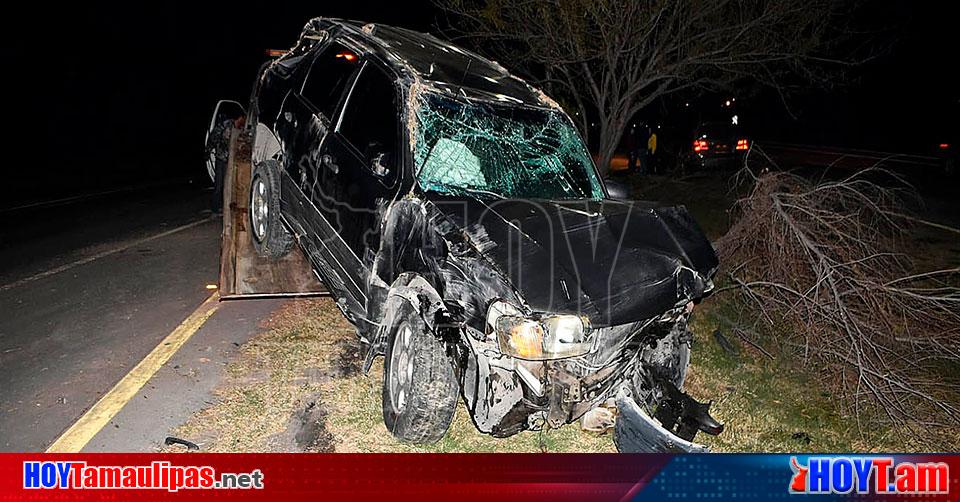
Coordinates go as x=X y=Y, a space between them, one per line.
x=677 y=420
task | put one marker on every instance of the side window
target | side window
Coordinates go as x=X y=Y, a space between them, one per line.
x=370 y=121
x=329 y=75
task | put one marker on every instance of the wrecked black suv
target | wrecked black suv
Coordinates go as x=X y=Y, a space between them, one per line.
x=457 y=218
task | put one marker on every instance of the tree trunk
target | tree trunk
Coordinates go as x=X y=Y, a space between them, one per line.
x=611 y=131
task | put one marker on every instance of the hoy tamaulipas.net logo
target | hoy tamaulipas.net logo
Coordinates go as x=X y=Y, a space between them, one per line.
x=158 y=475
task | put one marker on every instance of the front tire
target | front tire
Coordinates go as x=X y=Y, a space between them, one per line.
x=420 y=389
x=270 y=238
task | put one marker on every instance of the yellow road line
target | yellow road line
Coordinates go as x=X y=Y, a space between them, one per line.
x=83 y=430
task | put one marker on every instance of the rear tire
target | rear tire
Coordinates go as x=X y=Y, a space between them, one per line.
x=269 y=236
x=420 y=389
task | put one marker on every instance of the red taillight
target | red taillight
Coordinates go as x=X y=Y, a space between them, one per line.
x=700 y=145
x=348 y=56
x=742 y=144
x=944 y=146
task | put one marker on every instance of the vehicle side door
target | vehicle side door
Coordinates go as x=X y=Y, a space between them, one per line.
x=361 y=156
x=312 y=111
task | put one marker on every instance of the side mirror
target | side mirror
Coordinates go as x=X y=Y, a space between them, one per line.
x=379 y=165
x=617 y=190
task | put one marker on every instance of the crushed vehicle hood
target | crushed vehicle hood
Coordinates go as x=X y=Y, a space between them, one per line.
x=614 y=261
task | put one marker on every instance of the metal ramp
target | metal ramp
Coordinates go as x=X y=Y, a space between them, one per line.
x=244 y=274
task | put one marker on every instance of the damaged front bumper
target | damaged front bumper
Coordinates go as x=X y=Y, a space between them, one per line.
x=637 y=432
x=506 y=395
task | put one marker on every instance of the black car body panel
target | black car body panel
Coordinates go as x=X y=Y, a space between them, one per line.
x=347 y=147
x=616 y=261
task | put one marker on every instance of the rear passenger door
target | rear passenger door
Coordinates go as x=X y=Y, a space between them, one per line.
x=312 y=111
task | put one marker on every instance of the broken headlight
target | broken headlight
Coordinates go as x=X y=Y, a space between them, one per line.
x=537 y=338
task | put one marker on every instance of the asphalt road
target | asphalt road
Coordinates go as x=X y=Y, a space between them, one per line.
x=87 y=289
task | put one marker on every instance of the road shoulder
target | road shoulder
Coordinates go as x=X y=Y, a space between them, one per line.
x=185 y=384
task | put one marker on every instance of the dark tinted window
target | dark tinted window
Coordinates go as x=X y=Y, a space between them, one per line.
x=369 y=122
x=328 y=77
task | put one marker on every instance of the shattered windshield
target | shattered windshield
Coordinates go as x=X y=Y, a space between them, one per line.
x=496 y=150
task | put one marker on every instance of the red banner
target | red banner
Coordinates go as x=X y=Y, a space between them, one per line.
x=487 y=477
x=291 y=477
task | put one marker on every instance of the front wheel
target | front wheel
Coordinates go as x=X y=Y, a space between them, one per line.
x=420 y=389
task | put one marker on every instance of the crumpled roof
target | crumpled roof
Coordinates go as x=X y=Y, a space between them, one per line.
x=449 y=67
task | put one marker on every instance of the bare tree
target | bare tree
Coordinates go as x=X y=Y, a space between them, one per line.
x=612 y=58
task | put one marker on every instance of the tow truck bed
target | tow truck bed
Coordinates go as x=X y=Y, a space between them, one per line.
x=244 y=274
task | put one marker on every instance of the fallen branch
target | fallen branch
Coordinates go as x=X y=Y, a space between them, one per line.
x=823 y=264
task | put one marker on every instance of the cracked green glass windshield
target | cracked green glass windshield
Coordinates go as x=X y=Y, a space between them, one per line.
x=499 y=150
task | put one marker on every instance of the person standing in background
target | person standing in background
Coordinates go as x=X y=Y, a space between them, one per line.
x=652 y=152
x=631 y=143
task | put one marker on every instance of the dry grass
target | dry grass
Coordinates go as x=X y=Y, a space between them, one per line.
x=768 y=405
x=358 y=426
x=307 y=355
x=278 y=373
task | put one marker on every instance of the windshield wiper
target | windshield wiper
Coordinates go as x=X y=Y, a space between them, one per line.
x=479 y=191
x=472 y=191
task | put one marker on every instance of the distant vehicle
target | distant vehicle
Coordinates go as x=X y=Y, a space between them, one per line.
x=949 y=154
x=717 y=144
x=455 y=214
x=216 y=144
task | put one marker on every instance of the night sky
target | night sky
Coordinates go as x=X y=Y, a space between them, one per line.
x=108 y=95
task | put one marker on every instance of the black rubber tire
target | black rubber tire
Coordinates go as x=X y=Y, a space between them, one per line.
x=433 y=388
x=272 y=240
